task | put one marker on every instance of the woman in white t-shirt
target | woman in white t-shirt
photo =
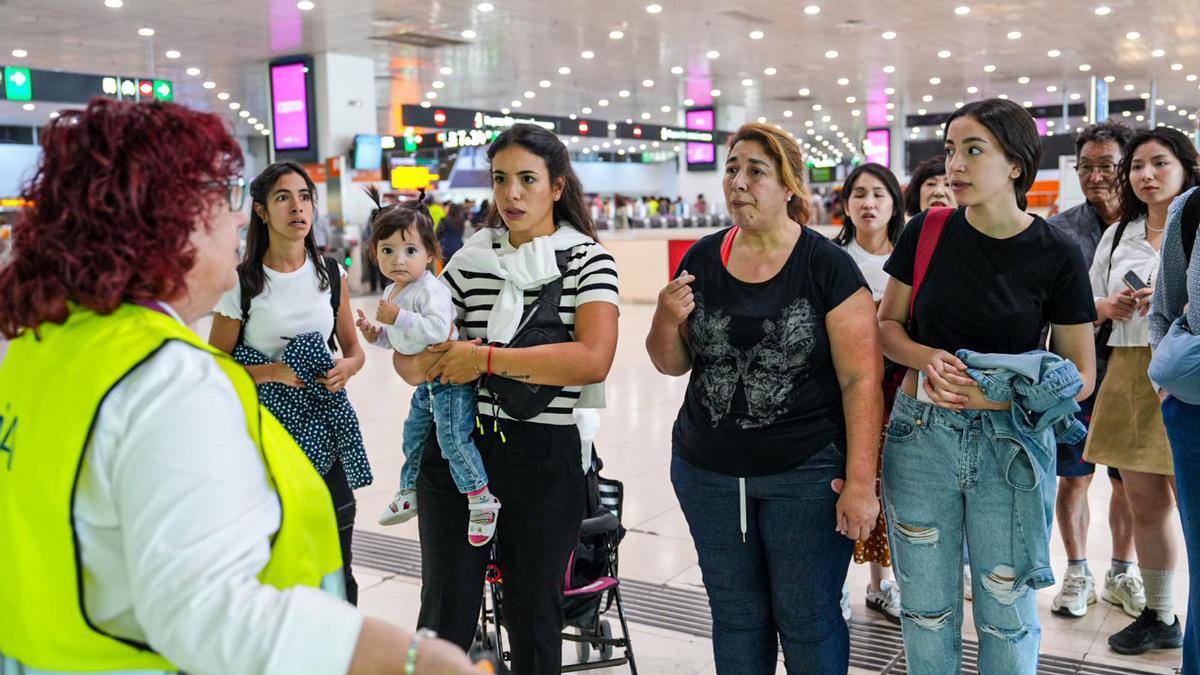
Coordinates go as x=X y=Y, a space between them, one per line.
x=291 y=294
x=873 y=222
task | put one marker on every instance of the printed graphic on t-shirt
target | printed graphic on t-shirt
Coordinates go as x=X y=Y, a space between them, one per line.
x=768 y=371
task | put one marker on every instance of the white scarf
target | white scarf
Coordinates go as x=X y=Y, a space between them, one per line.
x=531 y=266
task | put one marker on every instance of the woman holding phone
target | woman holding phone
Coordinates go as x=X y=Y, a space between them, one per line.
x=1127 y=425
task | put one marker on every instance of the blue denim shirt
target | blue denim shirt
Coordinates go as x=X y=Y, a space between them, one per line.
x=1041 y=387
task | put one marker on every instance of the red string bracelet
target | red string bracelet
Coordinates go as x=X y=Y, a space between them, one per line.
x=491 y=348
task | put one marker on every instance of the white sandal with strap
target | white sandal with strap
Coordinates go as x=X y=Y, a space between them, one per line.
x=482 y=525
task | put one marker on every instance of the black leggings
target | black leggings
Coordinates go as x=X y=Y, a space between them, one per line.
x=344 y=507
x=538 y=478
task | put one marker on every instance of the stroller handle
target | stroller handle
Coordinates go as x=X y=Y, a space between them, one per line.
x=605 y=522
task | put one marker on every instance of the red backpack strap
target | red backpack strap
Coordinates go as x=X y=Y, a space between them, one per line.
x=931 y=234
x=727 y=245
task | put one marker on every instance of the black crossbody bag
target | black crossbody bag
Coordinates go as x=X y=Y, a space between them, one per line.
x=540 y=325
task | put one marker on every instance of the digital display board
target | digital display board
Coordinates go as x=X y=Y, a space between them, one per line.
x=289 y=106
x=877 y=146
x=368 y=152
x=701 y=156
x=704 y=119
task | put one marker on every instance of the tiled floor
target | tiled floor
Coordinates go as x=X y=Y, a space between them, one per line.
x=634 y=441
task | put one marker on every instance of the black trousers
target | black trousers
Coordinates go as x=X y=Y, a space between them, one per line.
x=344 y=507
x=538 y=477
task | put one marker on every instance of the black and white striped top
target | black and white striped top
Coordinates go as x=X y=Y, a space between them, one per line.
x=591 y=276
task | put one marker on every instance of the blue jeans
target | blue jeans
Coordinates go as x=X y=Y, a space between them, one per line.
x=943 y=480
x=450 y=408
x=783 y=583
x=1183 y=429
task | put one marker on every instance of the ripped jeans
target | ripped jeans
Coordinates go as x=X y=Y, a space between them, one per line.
x=942 y=480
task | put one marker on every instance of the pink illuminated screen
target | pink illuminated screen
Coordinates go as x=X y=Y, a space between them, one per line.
x=704 y=120
x=701 y=153
x=879 y=146
x=289 y=93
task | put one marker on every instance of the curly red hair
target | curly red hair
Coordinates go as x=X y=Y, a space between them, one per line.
x=118 y=191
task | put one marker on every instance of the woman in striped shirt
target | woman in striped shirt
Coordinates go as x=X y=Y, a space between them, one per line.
x=538 y=232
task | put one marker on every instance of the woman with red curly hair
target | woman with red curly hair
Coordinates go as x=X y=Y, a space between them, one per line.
x=142 y=500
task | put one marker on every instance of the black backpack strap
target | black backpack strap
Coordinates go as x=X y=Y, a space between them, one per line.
x=1116 y=242
x=244 y=295
x=1190 y=220
x=335 y=295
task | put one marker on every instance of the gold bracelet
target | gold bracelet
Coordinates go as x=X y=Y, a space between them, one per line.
x=475 y=361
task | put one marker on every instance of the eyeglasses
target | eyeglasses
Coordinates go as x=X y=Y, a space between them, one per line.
x=1106 y=170
x=235 y=191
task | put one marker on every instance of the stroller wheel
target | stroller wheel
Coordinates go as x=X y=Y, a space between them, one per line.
x=583 y=650
x=606 y=650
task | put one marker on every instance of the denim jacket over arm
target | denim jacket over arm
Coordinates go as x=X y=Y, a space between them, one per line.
x=1041 y=387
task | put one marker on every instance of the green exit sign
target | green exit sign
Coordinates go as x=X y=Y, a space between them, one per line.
x=18 y=86
x=163 y=90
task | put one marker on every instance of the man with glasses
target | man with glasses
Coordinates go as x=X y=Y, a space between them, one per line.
x=1098 y=154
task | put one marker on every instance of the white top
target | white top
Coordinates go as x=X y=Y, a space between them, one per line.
x=1133 y=253
x=291 y=304
x=871 y=266
x=591 y=276
x=426 y=316
x=175 y=516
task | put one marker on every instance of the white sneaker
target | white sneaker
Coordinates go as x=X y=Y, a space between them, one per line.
x=846 y=602
x=886 y=600
x=402 y=508
x=1126 y=591
x=1077 y=592
x=967 y=590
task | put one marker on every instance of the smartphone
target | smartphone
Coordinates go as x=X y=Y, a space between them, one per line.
x=1133 y=281
x=922 y=395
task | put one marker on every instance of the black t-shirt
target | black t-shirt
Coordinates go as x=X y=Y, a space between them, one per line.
x=763 y=395
x=993 y=295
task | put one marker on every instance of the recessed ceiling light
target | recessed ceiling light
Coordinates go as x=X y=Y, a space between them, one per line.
x=756 y=35
x=769 y=71
x=304 y=5
x=647 y=83
x=665 y=109
x=889 y=69
x=927 y=98
x=146 y=32
x=172 y=54
x=713 y=54
x=1129 y=87
x=989 y=68
x=616 y=35
x=890 y=91
x=1171 y=107
x=210 y=85
x=603 y=103
x=446 y=70
x=787 y=113
x=1022 y=80
x=1028 y=104
x=564 y=70
x=265 y=132
x=252 y=120
x=816 y=106
x=1014 y=35
x=851 y=99
x=114 y=4
x=20 y=53
x=1110 y=79
x=689 y=102
x=1176 y=66
x=544 y=84
x=234 y=105
x=223 y=96
x=804 y=91
x=485 y=7
x=1159 y=101
x=193 y=71
x=29 y=107
x=1003 y=96
x=1054 y=53
x=1102 y=10
x=812 y=9
x=921 y=111
x=891 y=106
x=54 y=115
x=645 y=115
x=1076 y=96
x=962 y=10
x=1158 y=53
x=1132 y=35
x=1192 y=77
x=972 y=90
x=891 y=118
x=747 y=82
x=1051 y=88
x=1084 y=67
x=762 y=120
x=843 y=81
x=944 y=54
x=888 y=35
x=431 y=95
x=515 y=103
x=586 y=110
x=824 y=118
x=530 y=94
x=676 y=70
x=469 y=34
x=935 y=81
x=624 y=93
x=715 y=93
x=438 y=84
x=587 y=54
x=831 y=54
x=427 y=104
x=653 y=9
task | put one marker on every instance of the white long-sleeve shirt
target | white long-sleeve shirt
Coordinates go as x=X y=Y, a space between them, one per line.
x=174 y=515
x=1135 y=253
x=426 y=316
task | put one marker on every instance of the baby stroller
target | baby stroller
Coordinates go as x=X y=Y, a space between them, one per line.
x=590 y=587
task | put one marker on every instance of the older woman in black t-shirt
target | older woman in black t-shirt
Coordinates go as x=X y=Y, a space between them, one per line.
x=777 y=327
x=997 y=277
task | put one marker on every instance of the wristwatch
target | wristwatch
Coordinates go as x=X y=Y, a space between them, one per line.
x=410 y=663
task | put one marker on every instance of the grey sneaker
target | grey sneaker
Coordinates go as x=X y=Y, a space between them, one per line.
x=1077 y=592
x=1126 y=591
x=886 y=600
x=967 y=592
